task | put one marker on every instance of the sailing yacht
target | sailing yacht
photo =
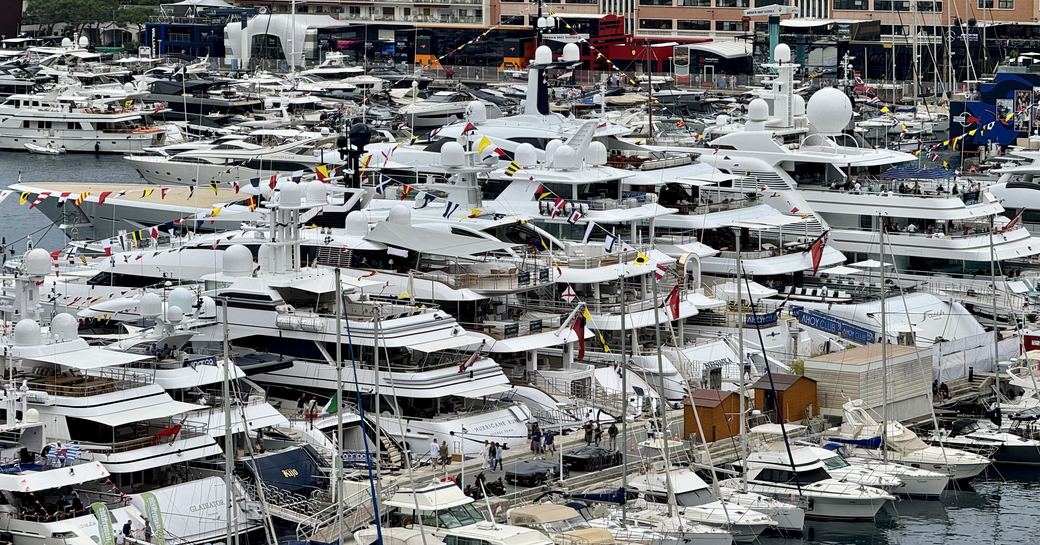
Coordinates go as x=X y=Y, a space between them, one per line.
x=862 y=433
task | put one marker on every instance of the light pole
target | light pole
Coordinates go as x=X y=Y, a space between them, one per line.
x=462 y=459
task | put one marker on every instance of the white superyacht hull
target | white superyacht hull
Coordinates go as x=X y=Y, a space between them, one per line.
x=80 y=141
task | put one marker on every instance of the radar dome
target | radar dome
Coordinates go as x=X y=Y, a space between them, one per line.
x=543 y=55
x=356 y=223
x=758 y=110
x=400 y=214
x=799 y=105
x=32 y=416
x=174 y=314
x=452 y=155
x=782 y=53
x=38 y=262
x=64 y=327
x=150 y=305
x=722 y=119
x=476 y=111
x=182 y=297
x=565 y=158
x=266 y=257
x=315 y=192
x=596 y=154
x=571 y=52
x=207 y=308
x=829 y=110
x=238 y=260
x=66 y=43
x=27 y=333
x=526 y=155
x=84 y=42
x=290 y=195
x=550 y=149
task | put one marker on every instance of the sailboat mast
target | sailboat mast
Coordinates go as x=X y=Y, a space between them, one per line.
x=649 y=95
x=624 y=394
x=884 y=344
x=337 y=466
x=996 y=331
x=229 y=440
x=743 y=362
x=661 y=403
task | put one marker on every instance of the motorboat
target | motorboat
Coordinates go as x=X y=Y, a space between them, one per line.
x=440 y=108
x=44 y=150
x=986 y=439
x=863 y=435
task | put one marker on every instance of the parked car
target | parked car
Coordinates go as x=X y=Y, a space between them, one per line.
x=533 y=472
x=591 y=458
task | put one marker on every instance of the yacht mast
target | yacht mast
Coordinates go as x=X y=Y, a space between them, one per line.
x=624 y=394
x=649 y=103
x=996 y=331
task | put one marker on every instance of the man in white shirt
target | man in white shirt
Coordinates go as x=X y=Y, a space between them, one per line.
x=911 y=228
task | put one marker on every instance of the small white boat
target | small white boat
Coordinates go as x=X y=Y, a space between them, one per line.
x=45 y=150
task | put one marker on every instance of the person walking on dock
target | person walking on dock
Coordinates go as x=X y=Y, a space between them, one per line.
x=597 y=433
x=434 y=452
x=612 y=433
x=498 y=456
x=485 y=455
x=588 y=432
x=550 y=441
x=444 y=453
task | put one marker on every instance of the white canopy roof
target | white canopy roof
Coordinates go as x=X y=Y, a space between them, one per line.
x=164 y=409
x=839 y=270
x=726 y=50
x=446 y=344
x=36 y=481
x=428 y=241
x=90 y=357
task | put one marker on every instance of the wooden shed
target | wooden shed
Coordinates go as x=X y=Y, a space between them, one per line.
x=795 y=396
x=717 y=409
x=857 y=373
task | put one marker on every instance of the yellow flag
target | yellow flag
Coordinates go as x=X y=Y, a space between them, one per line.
x=1008 y=117
x=641 y=259
x=884 y=109
x=404 y=295
x=23 y=198
x=972 y=132
x=213 y=185
x=483 y=144
x=588 y=315
x=946 y=164
x=215 y=212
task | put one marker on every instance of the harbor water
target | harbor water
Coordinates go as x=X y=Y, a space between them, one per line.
x=999 y=508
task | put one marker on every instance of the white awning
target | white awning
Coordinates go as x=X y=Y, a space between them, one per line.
x=428 y=241
x=35 y=481
x=769 y=222
x=446 y=344
x=840 y=270
x=86 y=358
x=869 y=264
x=726 y=50
x=165 y=409
x=708 y=179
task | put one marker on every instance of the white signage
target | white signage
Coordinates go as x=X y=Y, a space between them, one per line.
x=566 y=38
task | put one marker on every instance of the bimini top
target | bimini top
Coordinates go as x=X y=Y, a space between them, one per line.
x=431 y=498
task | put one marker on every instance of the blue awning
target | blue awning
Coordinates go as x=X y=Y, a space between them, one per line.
x=914 y=172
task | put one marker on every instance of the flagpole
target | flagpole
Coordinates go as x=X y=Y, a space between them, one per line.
x=661 y=402
x=624 y=398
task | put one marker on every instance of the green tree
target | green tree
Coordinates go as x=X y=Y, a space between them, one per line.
x=78 y=15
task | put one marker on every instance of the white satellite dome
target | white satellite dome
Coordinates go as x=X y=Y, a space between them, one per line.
x=721 y=119
x=829 y=110
x=550 y=149
x=400 y=214
x=315 y=192
x=526 y=155
x=150 y=306
x=758 y=110
x=799 y=105
x=27 y=333
x=290 y=195
x=356 y=223
x=207 y=307
x=476 y=111
x=37 y=262
x=238 y=260
x=571 y=52
x=543 y=55
x=67 y=43
x=174 y=314
x=84 y=42
x=64 y=327
x=596 y=154
x=782 y=53
x=182 y=297
x=452 y=155
x=266 y=257
x=32 y=416
x=566 y=158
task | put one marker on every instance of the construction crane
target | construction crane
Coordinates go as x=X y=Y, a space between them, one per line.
x=774 y=13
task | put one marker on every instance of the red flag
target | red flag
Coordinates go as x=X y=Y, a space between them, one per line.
x=104 y=195
x=107 y=246
x=557 y=206
x=154 y=233
x=469 y=127
x=816 y=251
x=673 y=302
x=579 y=328
x=1011 y=224
x=235 y=186
x=273 y=182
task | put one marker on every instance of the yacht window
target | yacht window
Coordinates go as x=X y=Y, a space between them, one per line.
x=458 y=540
x=694 y=497
x=785 y=476
x=836 y=462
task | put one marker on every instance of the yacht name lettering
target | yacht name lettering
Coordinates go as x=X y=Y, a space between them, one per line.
x=205 y=506
x=491 y=425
